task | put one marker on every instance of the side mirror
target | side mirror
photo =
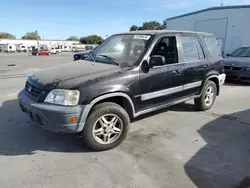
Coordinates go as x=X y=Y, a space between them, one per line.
x=228 y=55
x=156 y=60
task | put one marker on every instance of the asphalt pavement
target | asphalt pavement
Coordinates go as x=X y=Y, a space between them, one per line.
x=172 y=148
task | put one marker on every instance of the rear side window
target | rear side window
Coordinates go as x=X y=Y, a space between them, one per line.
x=212 y=46
x=192 y=50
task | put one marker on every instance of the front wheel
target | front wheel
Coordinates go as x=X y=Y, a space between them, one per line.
x=106 y=127
x=208 y=96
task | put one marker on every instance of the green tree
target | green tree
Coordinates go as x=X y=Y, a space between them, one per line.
x=152 y=25
x=134 y=28
x=4 y=35
x=73 y=38
x=32 y=36
x=91 y=39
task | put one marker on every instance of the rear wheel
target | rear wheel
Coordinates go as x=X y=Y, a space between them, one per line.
x=106 y=127
x=208 y=96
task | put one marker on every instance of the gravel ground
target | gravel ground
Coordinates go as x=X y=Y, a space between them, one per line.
x=174 y=147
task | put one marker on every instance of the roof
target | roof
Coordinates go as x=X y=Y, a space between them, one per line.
x=157 y=32
x=209 y=9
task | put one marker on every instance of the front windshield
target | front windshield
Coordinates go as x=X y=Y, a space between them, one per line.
x=241 y=52
x=125 y=50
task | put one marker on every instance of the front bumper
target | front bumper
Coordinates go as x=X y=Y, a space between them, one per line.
x=241 y=76
x=53 y=117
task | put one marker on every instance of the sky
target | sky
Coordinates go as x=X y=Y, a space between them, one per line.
x=59 y=19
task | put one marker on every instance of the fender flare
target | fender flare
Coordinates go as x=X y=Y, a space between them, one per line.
x=115 y=94
x=89 y=106
x=209 y=77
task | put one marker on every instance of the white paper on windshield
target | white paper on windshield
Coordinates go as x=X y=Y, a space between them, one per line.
x=142 y=37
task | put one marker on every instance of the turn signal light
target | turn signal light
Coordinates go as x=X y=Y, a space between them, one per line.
x=73 y=119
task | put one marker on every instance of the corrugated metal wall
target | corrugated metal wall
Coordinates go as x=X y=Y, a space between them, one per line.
x=230 y=26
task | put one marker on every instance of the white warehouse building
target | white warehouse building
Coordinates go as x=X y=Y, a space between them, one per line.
x=229 y=24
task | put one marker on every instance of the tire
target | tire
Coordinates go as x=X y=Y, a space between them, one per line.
x=106 y=110
x=202 y=103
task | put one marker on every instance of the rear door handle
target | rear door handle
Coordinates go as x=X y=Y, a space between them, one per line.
x=176 y=72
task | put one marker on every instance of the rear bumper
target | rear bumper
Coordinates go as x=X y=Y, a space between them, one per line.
x=53 y=117
x=222 y=78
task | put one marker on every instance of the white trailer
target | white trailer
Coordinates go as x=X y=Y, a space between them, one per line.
x=8 y=48
x=78 y=47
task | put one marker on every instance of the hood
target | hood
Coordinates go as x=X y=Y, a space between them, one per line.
x=65 y=75
x=237 y=61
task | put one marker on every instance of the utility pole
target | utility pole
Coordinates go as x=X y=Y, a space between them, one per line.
x=222 y=3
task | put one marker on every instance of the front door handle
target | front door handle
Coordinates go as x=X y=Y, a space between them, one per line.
x=176 y=72
x=206 y=66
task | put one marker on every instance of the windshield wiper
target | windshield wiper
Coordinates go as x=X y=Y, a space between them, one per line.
x=110 y=58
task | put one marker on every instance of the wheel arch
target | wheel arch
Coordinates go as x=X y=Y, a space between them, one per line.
x=215 y=79
x=120 y=98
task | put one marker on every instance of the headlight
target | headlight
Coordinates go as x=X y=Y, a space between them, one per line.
x=63 y=97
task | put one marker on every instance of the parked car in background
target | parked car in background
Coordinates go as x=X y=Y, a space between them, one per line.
x=237 y=65
x=128 y=75
x=41 y=52
x=22 y=48
x=55 y=50
x=81 y=55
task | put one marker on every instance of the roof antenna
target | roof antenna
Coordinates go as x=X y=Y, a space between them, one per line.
x=222 y=3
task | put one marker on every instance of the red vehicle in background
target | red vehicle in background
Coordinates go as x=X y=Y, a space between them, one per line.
x=41 y=51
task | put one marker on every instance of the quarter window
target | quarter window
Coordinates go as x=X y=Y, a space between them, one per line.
x=212 y=46
x=192 y=50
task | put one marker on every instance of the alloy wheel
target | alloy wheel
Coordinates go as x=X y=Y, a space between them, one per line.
x=209 y=96
x=107 y=129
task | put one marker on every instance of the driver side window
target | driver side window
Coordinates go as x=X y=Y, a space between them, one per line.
x=167 y=47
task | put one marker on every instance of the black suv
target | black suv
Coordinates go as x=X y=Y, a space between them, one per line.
x=128 y=75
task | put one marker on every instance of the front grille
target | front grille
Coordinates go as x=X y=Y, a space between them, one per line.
x=227 y=67
x=232 y=77
x=32 y=90
x=245 y=78
x=236 y=68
